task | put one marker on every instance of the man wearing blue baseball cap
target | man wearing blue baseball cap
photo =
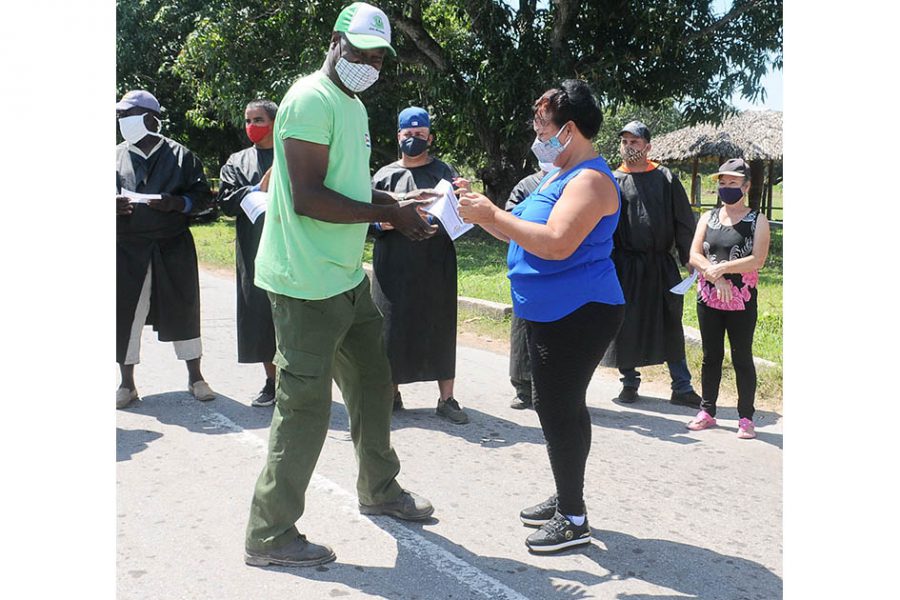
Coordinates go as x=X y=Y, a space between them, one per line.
x=159 y=184
x=414 y=284
x=326 y=325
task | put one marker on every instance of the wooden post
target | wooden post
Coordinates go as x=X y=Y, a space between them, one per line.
x=719 y=200
x=695 y=192
x=757 y=175
x=771 y=192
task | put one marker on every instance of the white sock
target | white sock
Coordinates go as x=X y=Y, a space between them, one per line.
x=576 y=519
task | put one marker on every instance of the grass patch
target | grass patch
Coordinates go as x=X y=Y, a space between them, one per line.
x=215 y=242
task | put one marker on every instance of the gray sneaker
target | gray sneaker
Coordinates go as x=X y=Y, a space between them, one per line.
x=297 y=553
x=408 y=506
x=450 y=410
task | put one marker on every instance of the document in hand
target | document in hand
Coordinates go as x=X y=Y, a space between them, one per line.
x=136 y=198
x=255 y=204
x=682 y=288
x=446 y=209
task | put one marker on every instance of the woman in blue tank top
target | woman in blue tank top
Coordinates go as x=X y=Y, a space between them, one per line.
x=565 y=288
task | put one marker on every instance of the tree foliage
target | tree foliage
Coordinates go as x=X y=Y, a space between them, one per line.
x=477 y=65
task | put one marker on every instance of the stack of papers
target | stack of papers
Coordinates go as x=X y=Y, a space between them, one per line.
x=135 y=198
x=446 y=209
x=682 y=288
x=255 y=204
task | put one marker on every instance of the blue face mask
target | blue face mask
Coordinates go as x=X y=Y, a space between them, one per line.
x=549 y=151
x=730 y=195
x=413 y=146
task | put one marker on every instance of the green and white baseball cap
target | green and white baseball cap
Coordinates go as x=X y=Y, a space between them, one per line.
x=365 y=26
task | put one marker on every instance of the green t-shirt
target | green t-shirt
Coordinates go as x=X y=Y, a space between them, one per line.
x=299 y=256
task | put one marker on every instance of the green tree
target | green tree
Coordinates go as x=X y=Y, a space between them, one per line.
x=479 y=64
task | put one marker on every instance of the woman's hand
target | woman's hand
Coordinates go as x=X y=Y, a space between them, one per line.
x=461 y=185
x=723 y=290
x=714 y=273
x=477 y=208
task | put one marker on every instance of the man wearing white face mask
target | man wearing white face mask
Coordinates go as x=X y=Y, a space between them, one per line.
x=156 y=263
x=326 y=324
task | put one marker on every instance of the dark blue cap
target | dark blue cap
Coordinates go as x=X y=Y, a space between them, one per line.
x=413 y=117
x=638 y=129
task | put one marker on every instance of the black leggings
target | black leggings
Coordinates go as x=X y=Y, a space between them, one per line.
x=740 y=325
x=564 y=355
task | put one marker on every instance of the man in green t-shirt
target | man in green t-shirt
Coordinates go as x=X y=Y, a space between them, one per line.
x=326 y=324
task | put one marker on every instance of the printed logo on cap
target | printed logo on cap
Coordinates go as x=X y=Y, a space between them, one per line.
x=377 y=24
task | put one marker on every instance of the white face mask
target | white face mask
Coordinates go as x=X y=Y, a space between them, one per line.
x=133 y=129
x=546 y=167
x=549 y=151
x=356 y=77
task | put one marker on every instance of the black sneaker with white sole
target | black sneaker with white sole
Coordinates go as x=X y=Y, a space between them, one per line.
x=266 y=395
x=537 y=515
x=559 y=533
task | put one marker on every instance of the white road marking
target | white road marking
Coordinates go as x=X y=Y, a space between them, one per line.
x=442 y=560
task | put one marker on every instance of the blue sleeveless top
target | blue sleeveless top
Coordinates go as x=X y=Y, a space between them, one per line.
x=548 y=290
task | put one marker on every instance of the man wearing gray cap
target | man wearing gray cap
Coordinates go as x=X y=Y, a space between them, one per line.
x=656 y=217
x=159 y=184
x=326 y=325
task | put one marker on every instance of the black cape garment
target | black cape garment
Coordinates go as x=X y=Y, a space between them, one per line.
x=148 y=236
x=414 y=286
x=655 y=218
x=255 y=330
x=519 y=362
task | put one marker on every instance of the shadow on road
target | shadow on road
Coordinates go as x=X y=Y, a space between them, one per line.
x=670 y=424
x=697 y=572
x=689 y=571
x=132 y=441
x=181 y=409
x=484 y=429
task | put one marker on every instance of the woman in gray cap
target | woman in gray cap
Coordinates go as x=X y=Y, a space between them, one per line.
x=730 y=246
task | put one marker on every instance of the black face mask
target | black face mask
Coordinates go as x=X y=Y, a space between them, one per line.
x=413 y=146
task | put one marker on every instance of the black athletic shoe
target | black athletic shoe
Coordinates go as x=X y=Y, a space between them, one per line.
x=559 y=533
x=398 y=402
x=690 y=398
x=266 y=395
x=628 y=395
x=537 y=515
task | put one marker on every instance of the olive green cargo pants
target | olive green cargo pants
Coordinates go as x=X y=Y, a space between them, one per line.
x=317 y=340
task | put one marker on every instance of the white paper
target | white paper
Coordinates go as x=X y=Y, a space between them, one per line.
x=682 y=288
x=446 y=209
x=254 y=204
x=136 y=198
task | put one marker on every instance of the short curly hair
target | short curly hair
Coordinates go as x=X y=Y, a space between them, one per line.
x=572 y=101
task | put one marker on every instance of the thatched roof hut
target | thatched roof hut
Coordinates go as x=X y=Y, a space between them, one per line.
x=755 y=136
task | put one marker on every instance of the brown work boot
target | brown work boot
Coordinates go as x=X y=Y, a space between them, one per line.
x=296 y=553
x=408 y=506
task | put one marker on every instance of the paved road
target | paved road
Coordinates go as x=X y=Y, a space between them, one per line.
x=675 y=514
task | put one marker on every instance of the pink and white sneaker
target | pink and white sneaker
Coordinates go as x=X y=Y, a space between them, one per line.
x=746 y=429
x=703 y=420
